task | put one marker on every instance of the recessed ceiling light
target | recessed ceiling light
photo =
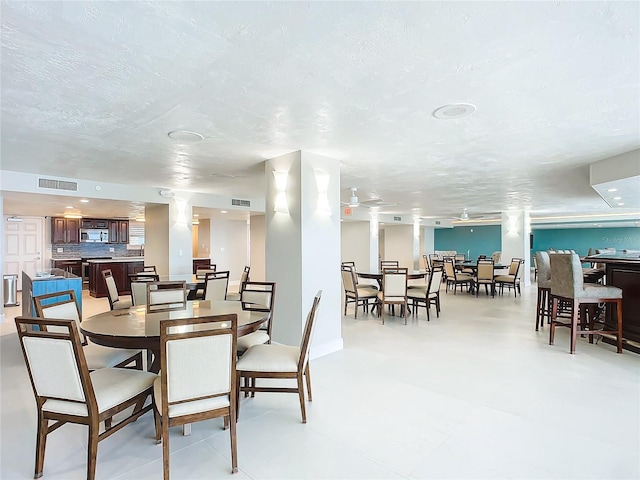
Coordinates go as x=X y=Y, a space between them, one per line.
x=617 y=198
x=185 y=136
x=196 y=214
x=455 y=110
x=223 y=211
x=612 y=190
x=84 y=200
x=68 y=206
x=223 y=175
x=621 y=204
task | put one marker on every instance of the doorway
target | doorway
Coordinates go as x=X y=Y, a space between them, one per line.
x=23 y=246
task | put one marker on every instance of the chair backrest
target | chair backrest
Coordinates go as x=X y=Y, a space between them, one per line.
x=144 y=277
x=307 y=335
x=198 y=361
x=394 y=282
x=348 y=278
x=139 y=293
x=389 y=264
x=349 y=264
x=544 y=269
x=112 y=288
x=244 y=278
x=513 y=267
x=202 y=271
x=427 y=266
x=449 y=269
x=460 y=257
x=485 y=270
x=56 y=364
x=519 y=269
x=260 y=297
x=435 y=280
x=163 y=296
x=566 y=275
x=483 y=257
x=145 y=269
x=215 y=286
x=60 y=305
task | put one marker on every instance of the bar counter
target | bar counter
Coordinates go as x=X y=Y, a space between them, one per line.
x=623 y=271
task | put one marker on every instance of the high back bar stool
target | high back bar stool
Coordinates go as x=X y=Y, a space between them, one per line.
x=543 y=305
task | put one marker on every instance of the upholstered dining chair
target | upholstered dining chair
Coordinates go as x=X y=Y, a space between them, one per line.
x=430 y=295
x=359 y=284
x=427 y=265
x=202 y=271
x=165 y=296
x=511 y=279
x=484 y=276
x=139 y=286
x=216 y=284
x=353 y=293
x=394 y=291
x=389 y=264
x=244 y=278
x=567 y=285
x=197 y=378
x=145 y=269
x=66 y=392
x=280 y=361
x=115 y=302
x=64 y=305
x=455 y=278
x=543 y=303
x=258 y=297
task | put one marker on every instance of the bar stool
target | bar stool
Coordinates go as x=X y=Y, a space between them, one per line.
x=567 y=285
x=543 y=306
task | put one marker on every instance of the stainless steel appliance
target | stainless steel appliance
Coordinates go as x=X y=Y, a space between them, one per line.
x=94 y=235
x=85 y=266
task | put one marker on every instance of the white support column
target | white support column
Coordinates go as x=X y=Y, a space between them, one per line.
x=416 y=243
x=303 y=246
x=168 y=238
x=374 y=242
x=516 y=226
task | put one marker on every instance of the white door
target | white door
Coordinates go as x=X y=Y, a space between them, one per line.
x=23 y=247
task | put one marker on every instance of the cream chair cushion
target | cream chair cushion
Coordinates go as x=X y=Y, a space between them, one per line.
x=505 y=278
x=270 y=358
x=188 y=408
x=254 y=338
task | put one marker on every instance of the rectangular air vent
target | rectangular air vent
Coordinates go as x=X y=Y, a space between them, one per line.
x=397 y=219
x=57 y=184
x=240 y=203
x=437 y=222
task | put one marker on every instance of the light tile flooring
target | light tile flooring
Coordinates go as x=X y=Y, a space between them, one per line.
x=474 y=394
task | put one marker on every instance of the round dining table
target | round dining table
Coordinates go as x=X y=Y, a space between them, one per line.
x=135 y=328
x=377 y=276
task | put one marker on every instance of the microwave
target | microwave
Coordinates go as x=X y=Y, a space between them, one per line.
x=94 y=235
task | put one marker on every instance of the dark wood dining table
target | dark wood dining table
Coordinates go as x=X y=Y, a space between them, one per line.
x=135 y=328
x=377 y=276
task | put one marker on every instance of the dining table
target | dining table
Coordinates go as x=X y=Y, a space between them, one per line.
x=377 y=276
x=136 y=328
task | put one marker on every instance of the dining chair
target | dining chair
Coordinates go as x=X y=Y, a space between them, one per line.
x=460 y=257
x=455 y=278
x=197 y=378
x=115 y=302
x=543 y=303
x=355 y=294
x=244 y=278
x=165 y=296
x=511 y=279
x=484 y=276
x=427 y=265
x=258 y=297
x=215 y=286
x=359 y=284
x=389 y=264
x=139 y=286
x=430 y=295
x=280 y=361
x=394 y=291
x=145 y=269
x=567 y=285
x=66 y=392
x=201 y=271
x=64 y=305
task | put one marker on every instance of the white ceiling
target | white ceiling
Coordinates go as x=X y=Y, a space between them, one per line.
x=91 y=89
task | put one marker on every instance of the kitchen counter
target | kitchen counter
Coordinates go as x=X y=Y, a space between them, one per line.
x=117 y=260
x=58 y=281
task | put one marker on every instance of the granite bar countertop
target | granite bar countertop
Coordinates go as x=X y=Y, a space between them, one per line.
x=117 y=259
x=51 y=274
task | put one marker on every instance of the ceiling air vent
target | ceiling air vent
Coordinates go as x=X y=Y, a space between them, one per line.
x=57 y=184
x=397 y=219
x=236 y=202
x=437 y=222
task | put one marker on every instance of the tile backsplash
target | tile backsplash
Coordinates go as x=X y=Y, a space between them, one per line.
x=78 y=250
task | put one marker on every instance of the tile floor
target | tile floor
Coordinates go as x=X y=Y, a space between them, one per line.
x=474 y=394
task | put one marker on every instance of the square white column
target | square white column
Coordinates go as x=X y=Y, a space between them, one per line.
x=516 y=227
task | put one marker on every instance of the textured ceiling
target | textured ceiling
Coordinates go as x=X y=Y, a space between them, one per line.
x=91 y=89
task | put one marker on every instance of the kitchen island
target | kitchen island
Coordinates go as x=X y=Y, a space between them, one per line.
x=49 y=281
x=120 y=269
x=622 y=270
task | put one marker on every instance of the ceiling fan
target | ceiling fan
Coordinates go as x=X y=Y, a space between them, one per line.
x=355 y=202
x=464 y=216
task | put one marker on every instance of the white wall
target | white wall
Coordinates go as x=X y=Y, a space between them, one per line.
x=427 y=242
x=257 y=248
x=398 y=244
x=204 y=239
x=156 y=237
x=229 y=246
x=355 y=245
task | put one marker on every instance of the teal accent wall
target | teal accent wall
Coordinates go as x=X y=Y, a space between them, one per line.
x=483 y=240
x=487 y=239
x=581 y=239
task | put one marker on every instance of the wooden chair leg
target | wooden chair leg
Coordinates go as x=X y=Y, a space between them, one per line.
x=301 y=396
x=538 y=308
x=157 y=420
x=41 y=442
x=574 y=326
x=307 y=374
x=165 y=448
x=92 y=450
x=619 y=323
x=554 y=314
x=233 y=439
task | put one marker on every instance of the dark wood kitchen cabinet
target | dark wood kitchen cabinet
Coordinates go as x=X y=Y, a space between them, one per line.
x=65 y=230
x=94 y=223
x=119 y=231
x=71 y=266
x=119 y=270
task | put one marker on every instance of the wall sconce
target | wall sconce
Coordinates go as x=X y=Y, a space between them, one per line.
x=322 y=181
x=181 y=207
x=281 y=205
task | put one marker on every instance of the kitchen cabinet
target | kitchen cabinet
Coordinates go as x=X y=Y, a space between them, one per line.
x=94 y=223
x=118 y=231
x=71 y=266
x=120 y=269
x=200 y=263
x=65 y=230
